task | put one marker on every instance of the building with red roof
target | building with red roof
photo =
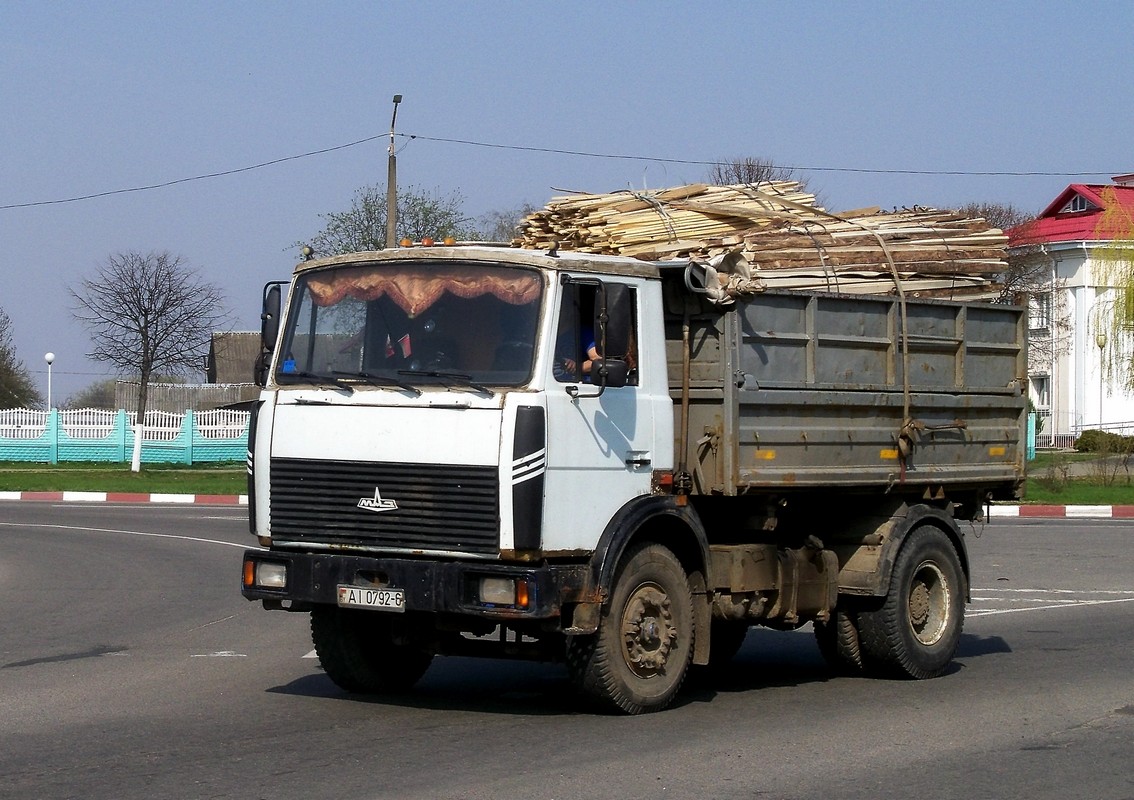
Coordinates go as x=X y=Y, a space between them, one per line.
x=1072 y=244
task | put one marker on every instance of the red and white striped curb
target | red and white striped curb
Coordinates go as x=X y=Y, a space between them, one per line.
x=129 y=497
x=1068 y=512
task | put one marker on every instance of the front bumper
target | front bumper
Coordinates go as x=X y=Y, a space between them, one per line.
x=448 y=587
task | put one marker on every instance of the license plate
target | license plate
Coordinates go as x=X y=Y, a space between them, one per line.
x=381 y=599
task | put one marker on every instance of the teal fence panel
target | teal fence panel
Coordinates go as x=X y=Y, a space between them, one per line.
x=108 y=436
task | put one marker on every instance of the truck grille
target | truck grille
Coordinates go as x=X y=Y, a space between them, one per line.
x=423 y=506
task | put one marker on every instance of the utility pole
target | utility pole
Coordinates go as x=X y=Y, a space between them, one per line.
x=392 y=184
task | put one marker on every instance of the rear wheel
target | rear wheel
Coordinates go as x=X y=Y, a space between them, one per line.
x=838 y=642
x=637 y=660
x=916 y=630
x=366 y=652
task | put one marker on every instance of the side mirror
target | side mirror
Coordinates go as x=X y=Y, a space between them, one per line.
x=270 y=317
x=610 y=372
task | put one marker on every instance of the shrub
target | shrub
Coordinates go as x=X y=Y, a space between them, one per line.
x=1103 y=442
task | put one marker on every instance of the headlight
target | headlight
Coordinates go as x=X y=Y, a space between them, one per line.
x=265 y=574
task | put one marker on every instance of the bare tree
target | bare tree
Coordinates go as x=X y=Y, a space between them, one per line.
x=748 y=170
x=998 y=215
x=1030 y=270
x=148 y=314
x=16 y=387
x=363 y=225
x=1032 y=280
x=502 y=225
x=99 y=394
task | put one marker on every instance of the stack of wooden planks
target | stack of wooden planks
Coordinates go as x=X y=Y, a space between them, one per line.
x=667 y=223
x=789 y=241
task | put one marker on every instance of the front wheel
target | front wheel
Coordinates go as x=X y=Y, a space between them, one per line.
x=916 y=630
x=637 y=660
x=366 y=652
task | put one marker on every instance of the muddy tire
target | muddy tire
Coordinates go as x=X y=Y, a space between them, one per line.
x=916 y=630
x=639 y=657
x=362 y=651
x=839 y=642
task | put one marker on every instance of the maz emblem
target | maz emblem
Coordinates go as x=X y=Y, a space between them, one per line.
x=376 y=503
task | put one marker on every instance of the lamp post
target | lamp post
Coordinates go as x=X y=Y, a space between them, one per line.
x=50 y=359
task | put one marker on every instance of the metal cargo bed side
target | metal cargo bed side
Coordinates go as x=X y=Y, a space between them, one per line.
x=794 y=391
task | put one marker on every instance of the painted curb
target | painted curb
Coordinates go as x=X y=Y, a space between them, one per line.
x=129 y=497
x=1065 y=512
x=1026 y=511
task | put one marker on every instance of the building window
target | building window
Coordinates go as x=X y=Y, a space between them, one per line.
x=1077 y=203
x=1039 y=311
x=1041 y=392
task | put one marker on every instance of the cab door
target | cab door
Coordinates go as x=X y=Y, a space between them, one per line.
x=600 y=438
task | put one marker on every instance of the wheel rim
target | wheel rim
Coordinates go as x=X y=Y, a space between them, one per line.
x=929 y=603
x=648 y=632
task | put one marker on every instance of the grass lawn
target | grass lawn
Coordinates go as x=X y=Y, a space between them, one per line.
x=1079 y=479
x=225 y=478
x=1079 y=491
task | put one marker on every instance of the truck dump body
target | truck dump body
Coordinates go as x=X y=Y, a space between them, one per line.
x=794 y=391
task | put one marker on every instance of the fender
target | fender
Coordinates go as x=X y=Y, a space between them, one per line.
x=916 y=516
x=658 y=518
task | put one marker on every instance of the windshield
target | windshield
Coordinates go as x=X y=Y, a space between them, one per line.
x=403 y=325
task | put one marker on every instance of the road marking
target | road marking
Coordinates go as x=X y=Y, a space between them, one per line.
x=1018 y=600
x=129 y=533
x=214 y=622
x=220 y=654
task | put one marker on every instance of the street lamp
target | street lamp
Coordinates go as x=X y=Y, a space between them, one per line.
x=50 y=359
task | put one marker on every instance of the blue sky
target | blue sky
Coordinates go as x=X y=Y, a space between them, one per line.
x=867 y=100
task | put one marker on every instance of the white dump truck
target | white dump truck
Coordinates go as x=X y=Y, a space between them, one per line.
x=464 y=450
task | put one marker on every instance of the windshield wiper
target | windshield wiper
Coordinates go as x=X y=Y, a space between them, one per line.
x=379 y=379
x=315 y=377
x=461 y=379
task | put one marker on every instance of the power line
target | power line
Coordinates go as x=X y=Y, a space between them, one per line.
x=550 y=150
x=190 y=179
x=976 y=173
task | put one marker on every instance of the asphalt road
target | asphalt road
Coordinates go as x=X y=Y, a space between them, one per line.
x=130 y=667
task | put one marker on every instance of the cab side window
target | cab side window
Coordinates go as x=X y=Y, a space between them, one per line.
x=577 y=343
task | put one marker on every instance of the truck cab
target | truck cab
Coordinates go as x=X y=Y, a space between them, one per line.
x=401 y=459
